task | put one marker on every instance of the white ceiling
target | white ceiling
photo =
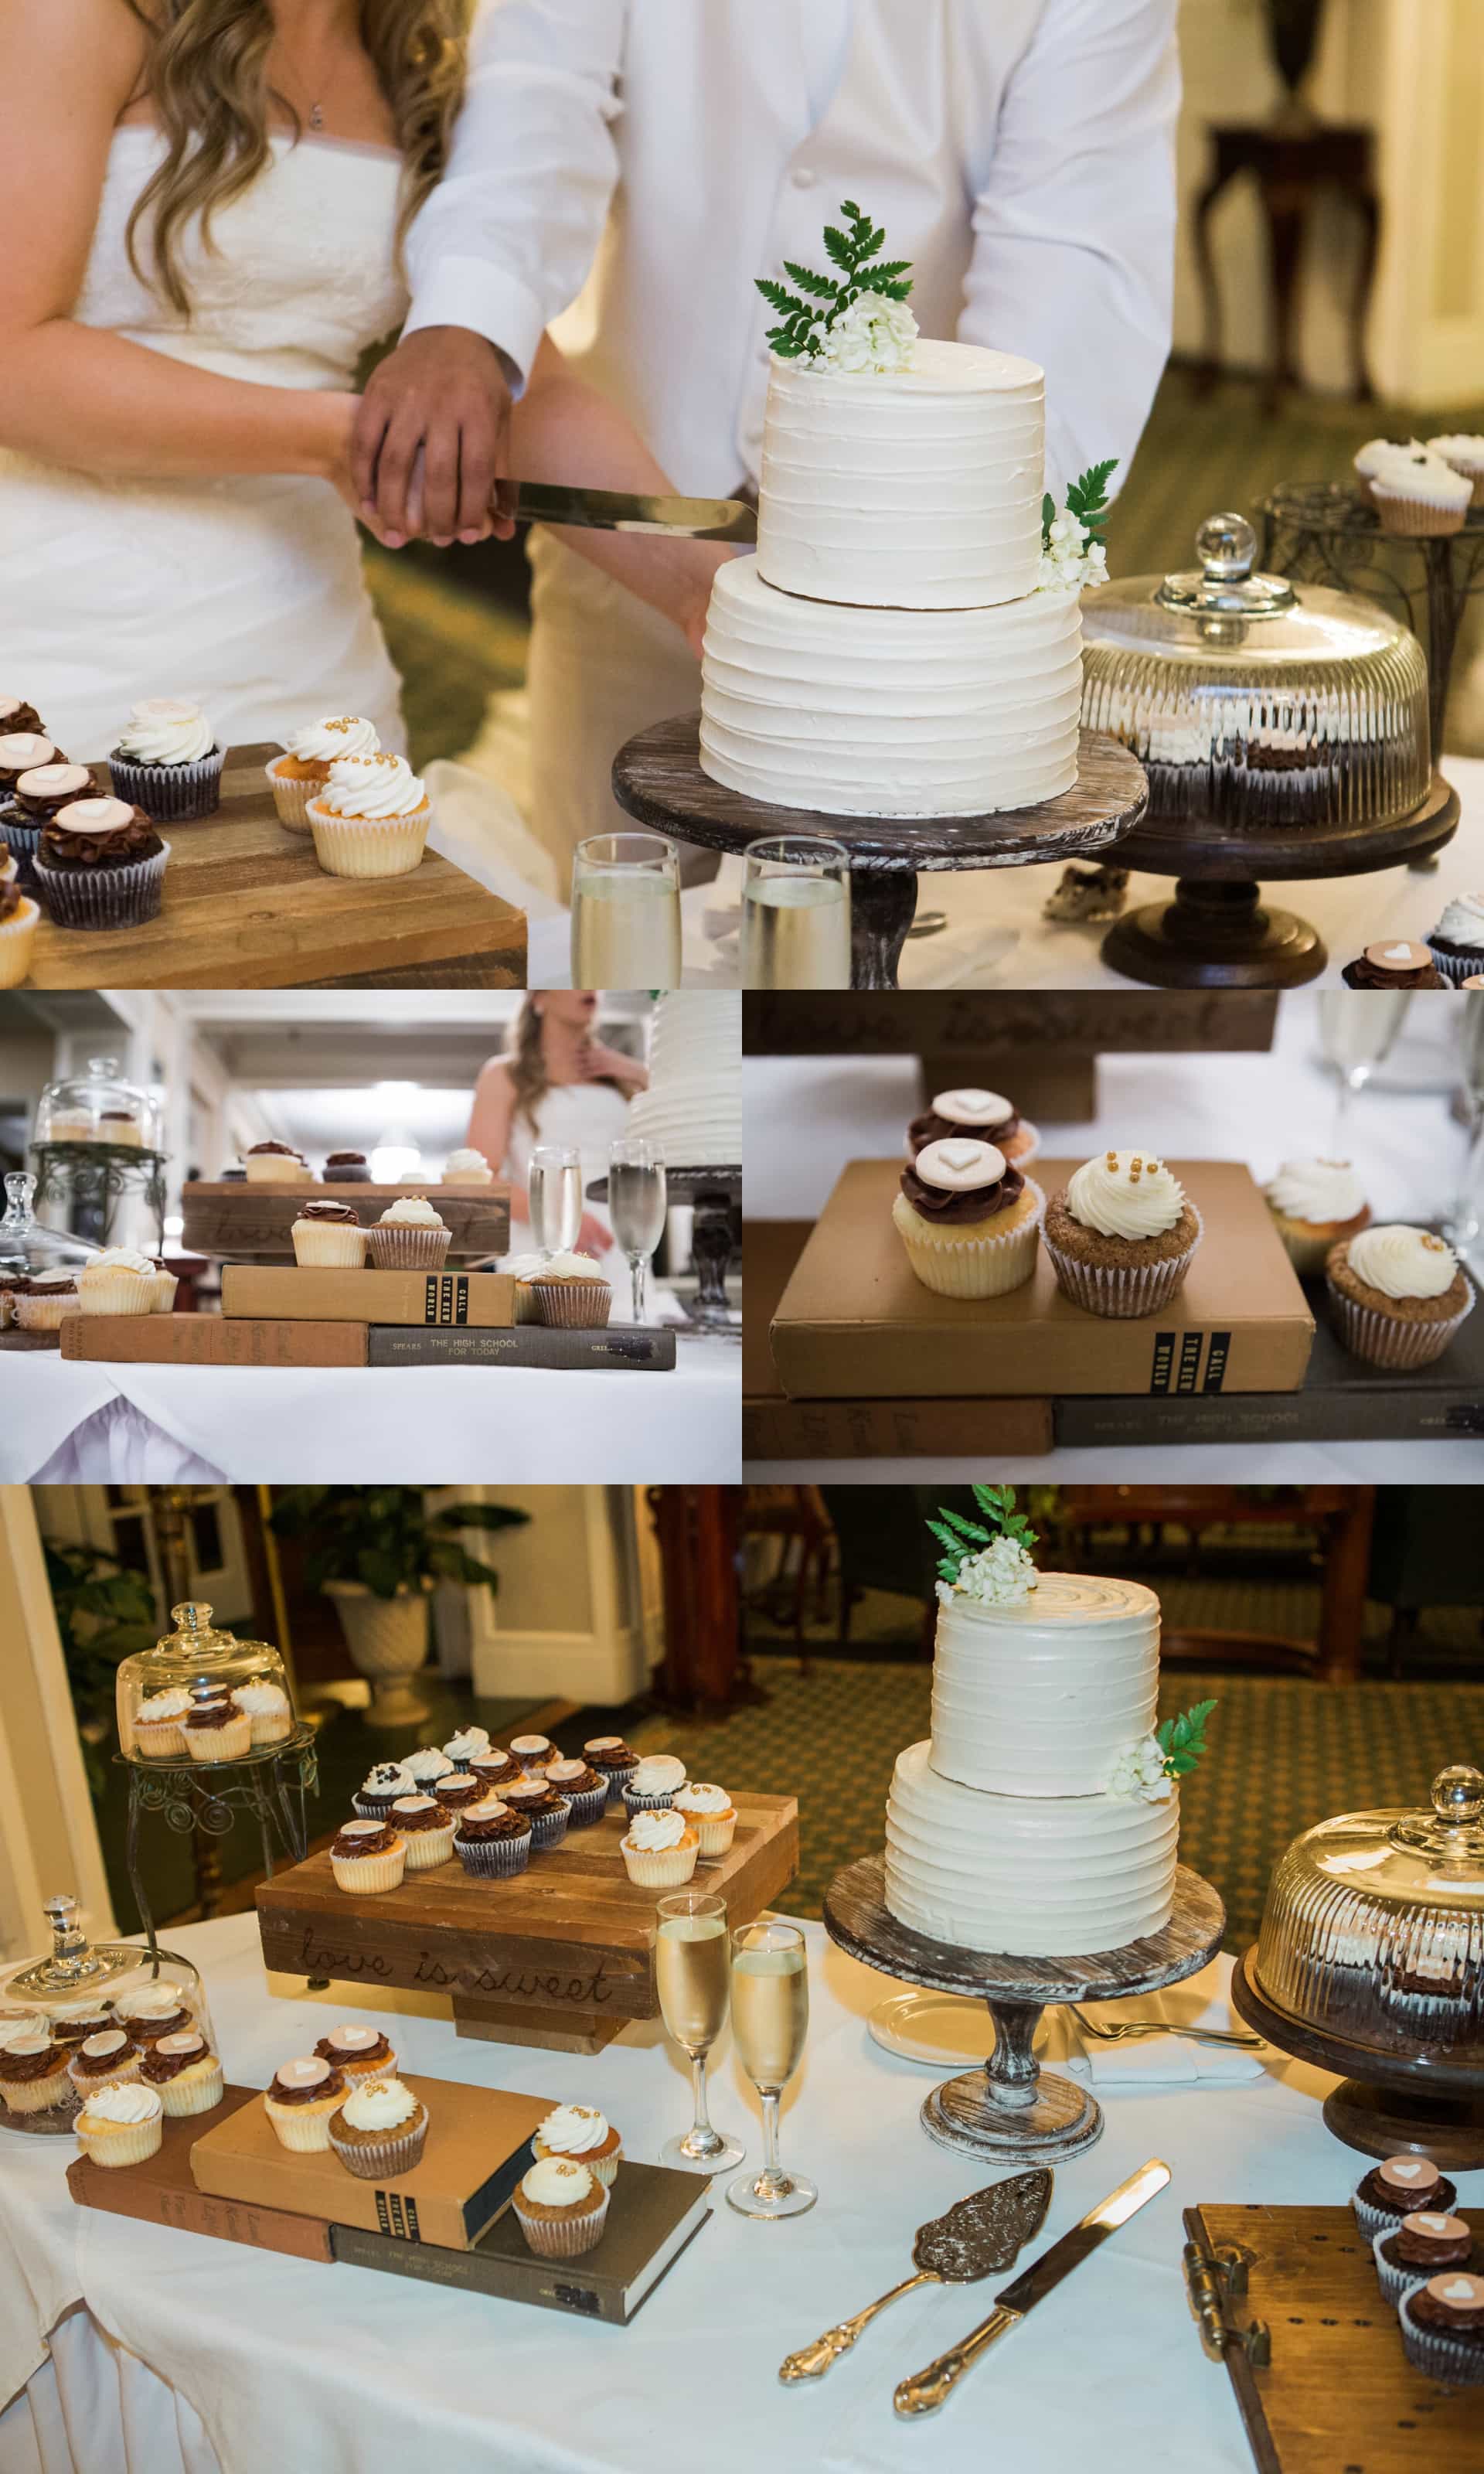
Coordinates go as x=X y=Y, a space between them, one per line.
x=357 y=1119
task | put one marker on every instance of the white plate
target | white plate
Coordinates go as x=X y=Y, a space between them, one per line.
x=938 y=2029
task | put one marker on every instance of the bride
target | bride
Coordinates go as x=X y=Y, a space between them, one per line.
x=555 y=1083
x=205 y=204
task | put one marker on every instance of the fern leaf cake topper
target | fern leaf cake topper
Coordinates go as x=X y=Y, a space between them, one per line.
x=989 y=1560
x=1072 y=549
x=1148 y=1772
x=854 y=320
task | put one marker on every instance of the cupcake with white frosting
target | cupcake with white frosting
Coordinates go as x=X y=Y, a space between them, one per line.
x=1378 y=453
x=1458 y=942
x=650 y=1786
x=120 y=2125
x=562 y=2207
x=461 y=1749
x=468 y=1172
x=582 y=2131
x=157 y=1725
x=409 y=1236
x=370 y=818
x=1397 y=1295
x=659 y=1850
x=711 y=1814
x=301 y=771
x=380 y=1789
x=167 y=760
x=571 y=1293
x=118 y=1281
x=1418 y=495
x=1123 y=1236
x=1466 y=455
x=267 y=1705
x=426 y=1764
x=380 y=2130
x=1315 y=1203
x=968 y=1115
x=969 y=1221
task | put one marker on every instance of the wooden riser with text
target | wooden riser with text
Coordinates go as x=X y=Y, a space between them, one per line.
x=562 y=1955
x=244 y=1223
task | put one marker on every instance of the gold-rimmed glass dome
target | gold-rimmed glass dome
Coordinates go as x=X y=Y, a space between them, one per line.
x=201 y=1694
x=99 y=1106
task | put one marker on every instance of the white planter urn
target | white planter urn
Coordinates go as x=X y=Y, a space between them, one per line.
x=388 y=1640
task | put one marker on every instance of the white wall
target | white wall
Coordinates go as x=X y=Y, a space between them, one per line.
x=48 y=1838
x=577 y=1614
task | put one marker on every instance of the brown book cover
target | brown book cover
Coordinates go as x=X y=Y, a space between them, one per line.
x=854 y=1323
x=161 y=2192
x=481 y=1298
x=209 y=1340
x=477 y=2147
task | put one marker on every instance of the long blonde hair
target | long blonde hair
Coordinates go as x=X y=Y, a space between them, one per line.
x=207 y=73
x=529 y=1077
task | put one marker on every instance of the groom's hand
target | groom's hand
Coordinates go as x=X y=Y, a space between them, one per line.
x=431 y=437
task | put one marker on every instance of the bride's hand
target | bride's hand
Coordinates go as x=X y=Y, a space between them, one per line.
x=600 y=1065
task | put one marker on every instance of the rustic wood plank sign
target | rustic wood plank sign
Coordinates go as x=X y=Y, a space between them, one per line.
x=251 y=1224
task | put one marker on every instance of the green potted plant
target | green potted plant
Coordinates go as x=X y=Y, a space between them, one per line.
x=377 y=1553
x=103 y=1614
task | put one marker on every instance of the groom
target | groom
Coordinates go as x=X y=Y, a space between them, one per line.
x=664 y=153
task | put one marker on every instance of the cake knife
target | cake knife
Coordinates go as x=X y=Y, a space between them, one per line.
x=622 y=511
x=928 y=2389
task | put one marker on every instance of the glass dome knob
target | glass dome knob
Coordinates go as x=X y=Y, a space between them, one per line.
x=1225 y=546
x=1458 y=1794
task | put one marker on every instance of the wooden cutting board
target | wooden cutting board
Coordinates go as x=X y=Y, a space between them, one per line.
x=248 y=905
x=1336 y=2394
x=562 y=1955
x=253 y=1224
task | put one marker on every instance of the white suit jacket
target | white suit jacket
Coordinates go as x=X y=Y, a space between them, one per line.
x=665 y=152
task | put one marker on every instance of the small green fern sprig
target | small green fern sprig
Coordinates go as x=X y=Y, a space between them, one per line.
x=1183 y=1740
x=1087 y=499
x=803 y=322
x=960 y=1538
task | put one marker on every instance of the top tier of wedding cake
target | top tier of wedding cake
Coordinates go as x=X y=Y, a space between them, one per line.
x=1040 y=1699
x=693 y=1106
x=914 y=489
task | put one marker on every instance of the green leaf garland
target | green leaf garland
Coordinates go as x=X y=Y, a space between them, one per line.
x=960 y=1538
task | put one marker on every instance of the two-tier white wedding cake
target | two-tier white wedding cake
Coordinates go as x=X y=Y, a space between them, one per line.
x=693 y=1106
x=1038 y=1818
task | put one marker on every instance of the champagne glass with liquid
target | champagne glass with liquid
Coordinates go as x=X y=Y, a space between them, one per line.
x=1358 y=1028
x=554 y=1192
x=625 y=912
x=796 y=913
x=770 y=2019
x=692 y=1955
x=636 y=1206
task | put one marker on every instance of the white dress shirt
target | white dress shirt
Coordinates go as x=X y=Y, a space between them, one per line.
x=664 y=153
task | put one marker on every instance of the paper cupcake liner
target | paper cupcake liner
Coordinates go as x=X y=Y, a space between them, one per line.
x=272 y=1729
x=1413 y=518
x=1122 y=1290
x=225 y=1743
x=43 y=1314
x=176 y=795
x=159 y=1743
x=38 y=2096
x=494 y=1860
x=381 y=2160
x=1455 y=967
x=1030 y=1136
x=714 y=1833
x=87 y=2082
x=587 y=1804
x=21 y=840
x=375 y=1808
x=103 y=897
x=1386 y=1339
x=368 y=846
x=291 y=798
x=1371 y=2219
x=573 y=1305
x=354 y=2070
x=1434 y=2351
x=403 y=1248
x=603 y=2168
x=1393 y=2281
x=664 y=1868
x=189 y=2094
x=120 y=2142
x=17 y=935
x=564 y=2237
x=366 y=1875
x=338 y=1245
x=548 y=1828
x=426 y=1847
x=305 y=2128
x=166 y=1287
x=116 y=1293
x=270 y=1168
x=983 y=1267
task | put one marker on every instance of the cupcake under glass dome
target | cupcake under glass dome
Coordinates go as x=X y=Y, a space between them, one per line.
x=202 y=1695
x=99 y=1106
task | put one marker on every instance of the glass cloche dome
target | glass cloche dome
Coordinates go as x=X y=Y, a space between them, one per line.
x=202 y=1695
x=35 y=1262
x=53 y=2008
x=98 y=1106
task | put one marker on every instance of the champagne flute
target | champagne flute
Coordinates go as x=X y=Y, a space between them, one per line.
x=1358 y=1028
x=636 y=1205
x=770 y=2019
x=691 y=1966
x=1464 y=1225
x=625 y=912
x=796 y=913
x=554 y=1193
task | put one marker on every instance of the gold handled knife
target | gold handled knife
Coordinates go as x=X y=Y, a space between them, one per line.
x=928 y=2389
x=620 y=511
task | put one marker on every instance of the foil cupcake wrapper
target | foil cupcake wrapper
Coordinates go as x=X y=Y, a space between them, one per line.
x=339 y=1247
x=1441 y=2356
x=633 y=1803
x=665 y=1868
x=1394 y=2282
x=393 y=1248
x=381 y=2160
x=185 y=2096
x=1386 y=1339
x=124 y=2142
x=368 y=846
x=1122 y=1290
x=564 y=2237
x=1456 y=967
x=493 y=1859
x=988 y=1267
x=103 y=897
x=573 y=1305
x=291 y=798
x=365 y=1875
x=170 y=794
x=375 y=1808
x=21 y=840
x=586 y=1806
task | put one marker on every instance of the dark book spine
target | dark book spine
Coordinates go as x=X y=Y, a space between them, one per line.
x=1353 y=1416
x=620 y=1348
x=839 y=1430
x=553 y=2285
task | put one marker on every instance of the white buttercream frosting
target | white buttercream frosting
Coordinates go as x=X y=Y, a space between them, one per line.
x=556 y=2182
x=1422 y=477
x=650 y=1834
x=469 y=1741
x=166 y=730
x=376 y=787
x=1402 y=1262
x=1125 y=1194
x=426 y=1763
x=260 y=1700
x=568 y=1267
x=1377 y=452
x=1317 y=1191
x=697 y=1794
x=971 y=1106
x=657 y=1774
x=1040 y=1698
x=573 y=2129
x=323 y=742
x=1460 y=448
x=153 y=2001
x=116 y=1259
x=466 y=1163
x=173 y=1703
x=954 y=1167
x=379 y=2104
x=93 y=816
x=49 y=781
x=133 y=2104
x=1463 y=921
x=692 y=1110
x=411 y=1211
x=386 y=1778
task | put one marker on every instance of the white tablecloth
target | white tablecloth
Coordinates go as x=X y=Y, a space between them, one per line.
x=63 y=1420
x=336 y=2370
x=804 y=1117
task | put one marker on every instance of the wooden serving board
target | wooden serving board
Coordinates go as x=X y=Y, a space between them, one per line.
x=248 y=905
x=251 y=1224
x=1336 y=2394
x=562 y=1955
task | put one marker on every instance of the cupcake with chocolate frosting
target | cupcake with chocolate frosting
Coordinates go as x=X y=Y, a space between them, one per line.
x=1397 y=1295
x=23 y=751
x=1421 y=2245
x=970 y=1115
x=347 y=1168
x=275 y=1164
x=582 y=1789
x=1123 y=1236
x=100 y=863
x=427 y=1827
x=368 y=1855
x=156 y=2010
x=18 y=716
x=495 y=1768
x=1441 y=2326
x=1315 y=1203
x=612 y=1758
x=1458 y=942
x=458 y=1789
x=167 y=760
x=970 y=1222
x=1399 y=963
x=360 y=2052
x=299 y=2100
x=328 y=1233
x=33 y=2075
x=184 y=2071
x=215 y=1730
x=19 y=916
x=1397 y=2188
x=547 y=1812
x=36 y=798
x=492 y=1839
x=109 y=2059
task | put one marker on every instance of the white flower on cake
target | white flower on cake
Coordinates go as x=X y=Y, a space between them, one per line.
x=1000 y=1575
x=873 y=333
x=1139 y=1775
x=991 y=1562
x=1073 y=553
x=854 y=320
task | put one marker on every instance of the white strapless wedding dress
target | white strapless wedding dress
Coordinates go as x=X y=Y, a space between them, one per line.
x=243 y=595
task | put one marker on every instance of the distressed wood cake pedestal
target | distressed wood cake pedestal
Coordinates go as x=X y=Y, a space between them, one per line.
x=658 y=780
x=1012 y=2110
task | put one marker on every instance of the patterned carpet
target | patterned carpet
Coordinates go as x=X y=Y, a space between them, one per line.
x=1283 y=1754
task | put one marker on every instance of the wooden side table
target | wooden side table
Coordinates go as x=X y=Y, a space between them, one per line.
x=1290 y=166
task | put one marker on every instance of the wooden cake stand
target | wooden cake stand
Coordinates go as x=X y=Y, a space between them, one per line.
x=1012 y=2110
x=658 y=780
x=1387 y=2104
x=1218 y=932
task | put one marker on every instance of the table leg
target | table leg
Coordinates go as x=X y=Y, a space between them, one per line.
x=883 y=901
x=1013 y=2110
x=712 y=1242
x=1208 y=368
x=1285 y=217
x=1368 y=206
x=1347 y=1566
